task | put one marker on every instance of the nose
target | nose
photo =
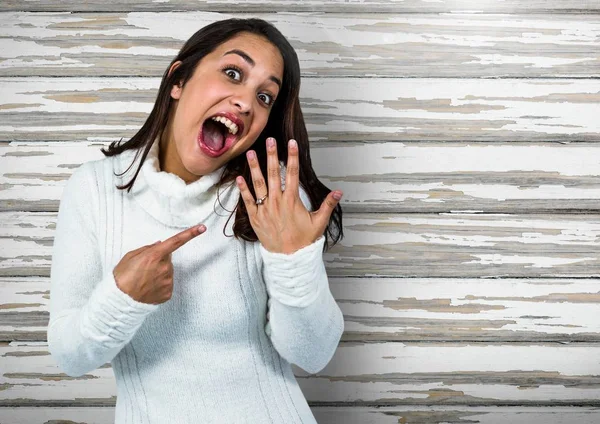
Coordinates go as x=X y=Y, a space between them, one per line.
x=242 y=100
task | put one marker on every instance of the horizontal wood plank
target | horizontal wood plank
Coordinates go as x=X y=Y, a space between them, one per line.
x=437 y=245
x=346 y=415
x=57 y=415
x=375 y=109
x=455 y=415
x=352 y=6
x=370 y=45
x=364 y=375
x=445 y=177
x=375 y=177
x=380 y=309
x=499 y=310
x=467 y=245
x=474 y=374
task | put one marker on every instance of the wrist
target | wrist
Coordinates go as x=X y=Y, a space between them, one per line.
x=290 y=247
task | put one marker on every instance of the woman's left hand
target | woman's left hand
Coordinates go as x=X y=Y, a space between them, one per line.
x=282 y=223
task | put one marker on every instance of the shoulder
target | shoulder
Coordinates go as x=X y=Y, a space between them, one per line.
x=83 y=177
x=87 y=183
x=87 y=175
x=102 y=171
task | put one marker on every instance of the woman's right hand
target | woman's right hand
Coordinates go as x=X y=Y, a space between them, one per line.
x=146 y=273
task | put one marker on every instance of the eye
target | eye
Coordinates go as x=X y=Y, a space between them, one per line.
x=266 y=98
x=233 y=72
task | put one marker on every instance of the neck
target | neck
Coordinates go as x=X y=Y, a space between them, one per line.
x=172 y=201
x=170 y=161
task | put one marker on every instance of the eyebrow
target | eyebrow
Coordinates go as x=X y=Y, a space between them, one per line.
x=251 y=62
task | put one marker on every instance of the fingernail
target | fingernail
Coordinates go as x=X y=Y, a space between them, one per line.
x=239 y=179
x=293 y=143
x=201 y=228
x=337 y=195
x=250 y=154
x=270 y=142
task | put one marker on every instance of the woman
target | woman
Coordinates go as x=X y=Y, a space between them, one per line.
x=202 y=329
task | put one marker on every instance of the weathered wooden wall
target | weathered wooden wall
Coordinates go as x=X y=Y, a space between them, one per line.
x=466 y=136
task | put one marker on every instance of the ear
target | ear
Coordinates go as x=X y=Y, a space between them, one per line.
x=176 y=89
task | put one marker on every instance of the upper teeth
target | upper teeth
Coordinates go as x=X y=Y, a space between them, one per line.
x=233 y=128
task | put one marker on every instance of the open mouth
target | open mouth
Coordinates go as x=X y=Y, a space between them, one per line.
x=217 y=135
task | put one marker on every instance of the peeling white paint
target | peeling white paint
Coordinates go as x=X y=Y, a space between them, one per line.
x=528 y=261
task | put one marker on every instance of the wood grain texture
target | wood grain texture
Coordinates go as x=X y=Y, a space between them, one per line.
x=382 y=309
x=346 y=415
x=455 y=415
x=362 y=375
x=473 y=374
x=416 y=109
x=24 y=309
x=369 y=45
x=376 y=109
x=400 y=245
x=375 y=177
x=444 y=177
x=442 y=309
x=346 y=6
x=467 y=245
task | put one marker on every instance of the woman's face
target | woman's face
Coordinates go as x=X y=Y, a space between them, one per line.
x=223 y=108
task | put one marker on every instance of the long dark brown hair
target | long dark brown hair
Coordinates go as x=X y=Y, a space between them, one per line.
x=285 y=120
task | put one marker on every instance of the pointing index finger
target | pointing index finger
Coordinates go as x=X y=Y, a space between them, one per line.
x=176 y=241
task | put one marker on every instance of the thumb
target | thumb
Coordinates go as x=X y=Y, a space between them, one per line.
x=323 y=214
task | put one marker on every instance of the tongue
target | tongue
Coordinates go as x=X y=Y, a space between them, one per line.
x=213 y=135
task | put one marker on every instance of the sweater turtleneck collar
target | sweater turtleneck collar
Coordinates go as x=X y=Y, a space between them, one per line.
x=169 y=199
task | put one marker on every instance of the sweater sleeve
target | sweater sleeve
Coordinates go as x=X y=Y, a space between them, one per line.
x=305 y=323
x=91 y=319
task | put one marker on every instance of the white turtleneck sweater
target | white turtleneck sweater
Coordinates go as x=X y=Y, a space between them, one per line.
x=219 y=351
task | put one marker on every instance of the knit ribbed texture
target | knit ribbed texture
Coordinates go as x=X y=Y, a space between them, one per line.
x=208 y=355
x=294 y=283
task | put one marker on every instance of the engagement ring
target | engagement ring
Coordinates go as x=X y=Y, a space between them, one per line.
x=261 y=200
